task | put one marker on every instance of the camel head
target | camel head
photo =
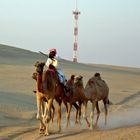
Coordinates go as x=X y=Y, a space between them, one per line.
x=78 y=80
x=97 y=76
x=72 y=77
x=39 y=67
x=69 y=83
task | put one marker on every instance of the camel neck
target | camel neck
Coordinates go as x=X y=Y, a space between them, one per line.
x=39 y=82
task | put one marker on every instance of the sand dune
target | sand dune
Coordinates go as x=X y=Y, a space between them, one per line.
x=18 y=103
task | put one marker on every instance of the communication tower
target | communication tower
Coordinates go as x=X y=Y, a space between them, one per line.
x=75 y=45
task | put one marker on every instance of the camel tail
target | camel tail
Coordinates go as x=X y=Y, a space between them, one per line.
x=108 y=102
x=34 y=91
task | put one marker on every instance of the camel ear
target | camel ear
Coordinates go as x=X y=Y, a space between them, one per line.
x=37 y=62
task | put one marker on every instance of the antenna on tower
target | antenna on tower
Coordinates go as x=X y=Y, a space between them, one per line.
x=75 y=45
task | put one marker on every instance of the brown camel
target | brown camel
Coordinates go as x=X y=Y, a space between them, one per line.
x=67 y=97
x=96 y=89
x=76 y=95
x=49 y=85
x=39 y=95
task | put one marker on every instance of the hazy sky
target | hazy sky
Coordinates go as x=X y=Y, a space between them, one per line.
x=109 y=30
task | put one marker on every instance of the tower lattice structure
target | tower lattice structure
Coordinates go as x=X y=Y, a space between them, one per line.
x=75 y=44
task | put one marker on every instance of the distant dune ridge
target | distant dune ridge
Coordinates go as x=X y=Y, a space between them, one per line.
x=12 y=55
x=18 y=102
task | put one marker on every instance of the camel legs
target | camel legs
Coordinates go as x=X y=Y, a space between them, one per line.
x=66 y=105
x=68 y=117
x=48 y=117
x=106 y=111
x=59 y=116
x=46 y=110
x=92 y=114
x=77 y=112
x=85 y=113
x=98 y=113
x=38 y=116
x=53 y=108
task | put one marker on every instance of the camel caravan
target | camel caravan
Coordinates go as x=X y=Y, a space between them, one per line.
x=73 y=93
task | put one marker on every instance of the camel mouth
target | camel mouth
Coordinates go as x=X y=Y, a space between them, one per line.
x=39 y=70
x=34 y=76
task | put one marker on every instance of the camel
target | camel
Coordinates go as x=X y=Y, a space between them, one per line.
x=49 y=85
x=76 y=95
x=96 y=90
x=44 y=102
x=67 y=97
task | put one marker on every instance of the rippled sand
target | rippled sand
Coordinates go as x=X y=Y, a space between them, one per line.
x=18 y=105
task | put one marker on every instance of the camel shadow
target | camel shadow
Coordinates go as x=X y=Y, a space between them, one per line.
x=68 y=134
x=19 y=133
x=129 y=98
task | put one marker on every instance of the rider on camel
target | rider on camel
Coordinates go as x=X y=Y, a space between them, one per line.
x=53 y=61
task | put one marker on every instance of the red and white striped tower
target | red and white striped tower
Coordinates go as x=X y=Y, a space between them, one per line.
x=75 y=45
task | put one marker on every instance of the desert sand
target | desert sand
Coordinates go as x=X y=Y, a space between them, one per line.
x=18 y=103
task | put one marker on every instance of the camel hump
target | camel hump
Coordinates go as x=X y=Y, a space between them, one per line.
x=98 y=80
x=49 y=80
x=101 y=85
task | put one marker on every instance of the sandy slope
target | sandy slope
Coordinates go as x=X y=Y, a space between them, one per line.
x=18 y=104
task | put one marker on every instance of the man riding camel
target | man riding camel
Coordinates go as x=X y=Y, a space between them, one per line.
x=53 y=62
